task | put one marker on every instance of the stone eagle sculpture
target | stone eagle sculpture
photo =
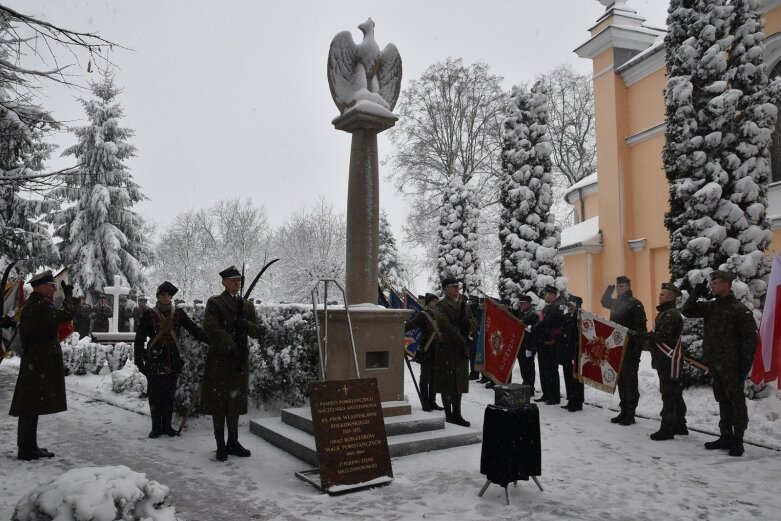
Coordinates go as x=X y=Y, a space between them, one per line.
x=362 y=72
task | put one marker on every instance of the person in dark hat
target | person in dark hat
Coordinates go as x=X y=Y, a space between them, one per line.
x=549 y=329
x=629 y=312
x=661 y=342
x=427 y=350
x=530 y=344
x=82 y=318
x=568 y=354
x=729 y=340
x=138 y=311
x=228 y=320
x=125 y=314
x=40 y=386
x=101 y=315
x=160 y=359
x=451 y=372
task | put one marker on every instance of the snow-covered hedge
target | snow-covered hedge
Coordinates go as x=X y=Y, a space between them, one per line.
x=82 y=356
x=96 y=494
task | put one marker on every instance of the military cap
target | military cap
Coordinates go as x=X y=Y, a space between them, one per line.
x=167 y=287
x=723 y=275
x=623 y=279
x=122 y=297
x=525 y=298
x=449 y=281
x=103 y=296
x=669 y=286
x=576 y=300
x=230 y=273
x=549 y=288
x=429 y=297
x=142 y=298
x=45 y=277
x=197 y=301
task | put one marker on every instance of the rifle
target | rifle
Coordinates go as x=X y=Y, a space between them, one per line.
x=256 y=279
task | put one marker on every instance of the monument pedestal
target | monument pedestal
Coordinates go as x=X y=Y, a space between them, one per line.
x=379 y=347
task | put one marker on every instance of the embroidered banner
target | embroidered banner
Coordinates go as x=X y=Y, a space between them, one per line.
x=602 y=347
x=498 y=342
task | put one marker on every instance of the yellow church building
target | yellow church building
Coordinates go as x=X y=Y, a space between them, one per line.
x=619 y=211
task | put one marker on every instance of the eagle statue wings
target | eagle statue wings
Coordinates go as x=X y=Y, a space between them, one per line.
x=362 y=72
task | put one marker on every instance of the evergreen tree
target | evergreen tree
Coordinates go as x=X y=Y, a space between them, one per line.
x=24 y=237
x=457 y=248
x=101 y=235
x=528 y=231
x=391 y=270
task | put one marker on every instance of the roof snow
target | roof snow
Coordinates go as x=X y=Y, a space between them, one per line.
x=585 y=233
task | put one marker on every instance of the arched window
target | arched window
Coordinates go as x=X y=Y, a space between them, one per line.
x=775 y=150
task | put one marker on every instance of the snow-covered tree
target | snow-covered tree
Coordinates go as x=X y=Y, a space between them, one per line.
x=101 y=235
x=457 y=253
x=528 y=231
x=391 y=270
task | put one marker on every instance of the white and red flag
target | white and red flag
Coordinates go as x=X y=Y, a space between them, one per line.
x=675 y=354
x=602 y=348
x=498 y=342
x=13 y=301
x=767 y=358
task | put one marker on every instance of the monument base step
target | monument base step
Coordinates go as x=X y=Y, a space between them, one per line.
x=410 y=434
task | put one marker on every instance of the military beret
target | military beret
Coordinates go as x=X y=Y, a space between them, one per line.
x=45 y=277
x=230 y=273
x=429 y=297
x=669 y=286
x=723 y=275
x=449 y=281
x=550 y=289
x=623 y=279
x=167 y=287
x=525 y=298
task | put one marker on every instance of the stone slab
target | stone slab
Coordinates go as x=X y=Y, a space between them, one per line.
x=418 y=421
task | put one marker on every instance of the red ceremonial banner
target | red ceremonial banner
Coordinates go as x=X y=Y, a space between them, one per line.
x=602 y=347
x=500 y=336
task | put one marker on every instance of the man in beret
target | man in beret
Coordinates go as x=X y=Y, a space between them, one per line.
x=629 y=312
x=664 y=337
x=530 y=344
x=227 y=321
x=729 y=340
x=40 y=386
x=451 y=372
x=550 y=330
x=160 y=359
x=138 y=311
x=427 y=350
x=101 y=314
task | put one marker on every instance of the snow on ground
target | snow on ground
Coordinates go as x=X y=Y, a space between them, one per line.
x=592 y=469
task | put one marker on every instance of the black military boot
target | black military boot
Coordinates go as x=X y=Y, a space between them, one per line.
x=219 y=436
x=723 y=442
x=628 y=419
x=616 y=419
x=233 y=446
x=457 y=419
x=681 y=429
x=157 y=428
x=736 y=447
x=573 y=406
x=165 y=420
x=664 y=433
x=447 y=402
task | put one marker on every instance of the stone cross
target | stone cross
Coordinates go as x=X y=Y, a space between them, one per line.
x=116 y=290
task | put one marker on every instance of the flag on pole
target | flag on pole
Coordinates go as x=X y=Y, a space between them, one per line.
x=767 y=357
x=500 y=337
x=675 y=354
x=413 y=337
x=602 y=347
x=396 y=302
x=13 y=302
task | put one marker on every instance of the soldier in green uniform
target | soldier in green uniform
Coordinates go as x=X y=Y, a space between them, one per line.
x=138 y=311
x=160 y=360
x=451 y=371
x=667 y=332
x=629 y=312
x=125 y=314
x=82 y=318
x=101 y=314
x=729 y=340
x=227 y=321
x=40 y=386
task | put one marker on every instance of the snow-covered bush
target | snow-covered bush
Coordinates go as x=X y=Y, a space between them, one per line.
x=96 y=494
x=128 y=380
x=84 y=356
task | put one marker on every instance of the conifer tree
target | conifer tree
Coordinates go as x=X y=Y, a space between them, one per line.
x=457 y=248
x=391 y=270
x=528 y=232
x=101 y=234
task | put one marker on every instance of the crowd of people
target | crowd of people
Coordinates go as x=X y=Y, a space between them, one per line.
x=449 y=338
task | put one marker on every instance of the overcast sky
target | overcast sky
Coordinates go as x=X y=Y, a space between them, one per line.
x=231 y=99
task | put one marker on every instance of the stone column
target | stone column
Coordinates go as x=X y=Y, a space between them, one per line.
x=363 y=201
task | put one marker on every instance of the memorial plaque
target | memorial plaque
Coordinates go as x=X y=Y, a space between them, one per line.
x=352 y=448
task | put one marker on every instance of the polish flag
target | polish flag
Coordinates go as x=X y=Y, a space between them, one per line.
x=767 y=359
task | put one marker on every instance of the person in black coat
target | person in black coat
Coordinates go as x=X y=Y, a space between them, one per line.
x=426 y=353
x=550 y=330
x=530 y=345
x=568 y=354
x=160 y=359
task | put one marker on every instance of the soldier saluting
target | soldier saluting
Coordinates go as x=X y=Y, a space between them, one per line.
x=40 y=387
x=228 y=320
x=729 y=339
x=160 y=360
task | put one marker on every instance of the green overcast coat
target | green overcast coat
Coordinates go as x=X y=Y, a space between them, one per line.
x=226 y=376
x=451 y=370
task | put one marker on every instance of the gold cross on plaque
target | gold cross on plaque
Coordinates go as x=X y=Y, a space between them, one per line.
x=345 y=389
